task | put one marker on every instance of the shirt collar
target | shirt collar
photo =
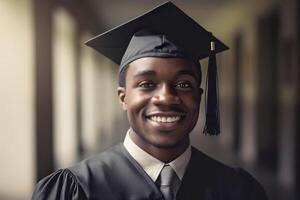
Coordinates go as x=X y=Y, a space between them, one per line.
x=151 y=165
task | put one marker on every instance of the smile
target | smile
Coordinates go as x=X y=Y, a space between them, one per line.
x=165 y=119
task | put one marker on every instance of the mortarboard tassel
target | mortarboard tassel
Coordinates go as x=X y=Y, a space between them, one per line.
x=212 y=124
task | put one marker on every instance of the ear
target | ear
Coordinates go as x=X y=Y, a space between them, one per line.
x=200 y=91
x=122 y=95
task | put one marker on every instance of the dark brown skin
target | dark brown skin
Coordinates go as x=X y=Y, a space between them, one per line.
x=165 y=88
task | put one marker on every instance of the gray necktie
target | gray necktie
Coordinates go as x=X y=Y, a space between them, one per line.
x=169 y=182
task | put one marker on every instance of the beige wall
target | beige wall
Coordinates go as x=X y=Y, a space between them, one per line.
x=100 y=106
x=65 y=139
x=90 y=126
x=17 y=99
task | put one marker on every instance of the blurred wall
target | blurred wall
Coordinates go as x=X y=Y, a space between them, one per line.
x=17 y=169
x=84 y=92
x=104 y=122
x=64 y=83
x=74 y=71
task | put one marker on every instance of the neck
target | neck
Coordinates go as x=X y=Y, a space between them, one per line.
x=163 y=153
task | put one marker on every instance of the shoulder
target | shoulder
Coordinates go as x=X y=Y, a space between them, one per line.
x=98 y=164
x=249 y=185
x=213 y=168
x=234 y=180
x=61 y=184
x=79 y=179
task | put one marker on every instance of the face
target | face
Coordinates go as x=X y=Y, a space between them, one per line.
x=162 y=99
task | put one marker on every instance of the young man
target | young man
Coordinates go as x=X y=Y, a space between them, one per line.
x=159 y=88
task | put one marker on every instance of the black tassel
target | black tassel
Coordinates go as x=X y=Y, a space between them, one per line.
x=212 y=124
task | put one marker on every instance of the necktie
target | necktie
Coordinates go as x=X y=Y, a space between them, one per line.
x=169 y=182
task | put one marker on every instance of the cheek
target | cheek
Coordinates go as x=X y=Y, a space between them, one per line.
x=136 y=110
x=193 y=106
x=136 y=102
x=191 y=101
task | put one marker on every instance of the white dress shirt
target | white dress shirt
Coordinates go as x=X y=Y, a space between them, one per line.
x=151 y=165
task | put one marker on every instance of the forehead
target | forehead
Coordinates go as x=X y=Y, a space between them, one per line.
x=162 y=66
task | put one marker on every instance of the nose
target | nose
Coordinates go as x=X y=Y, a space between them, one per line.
x=165 y=95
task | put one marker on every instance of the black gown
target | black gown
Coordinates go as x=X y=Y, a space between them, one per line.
x=115 y=175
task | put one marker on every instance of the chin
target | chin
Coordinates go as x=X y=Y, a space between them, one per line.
x=169 y=142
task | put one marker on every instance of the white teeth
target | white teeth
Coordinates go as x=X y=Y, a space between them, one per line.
x=165 y=119
x=158 y=119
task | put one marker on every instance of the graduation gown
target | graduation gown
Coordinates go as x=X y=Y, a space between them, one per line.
x=115 y=175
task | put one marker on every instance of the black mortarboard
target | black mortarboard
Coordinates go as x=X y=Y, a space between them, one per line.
x=165 y=31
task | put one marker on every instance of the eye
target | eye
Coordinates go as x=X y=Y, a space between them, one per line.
x=146 y=85
x=183 y=85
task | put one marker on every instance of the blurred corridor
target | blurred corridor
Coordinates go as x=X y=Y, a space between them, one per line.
x=59 y=103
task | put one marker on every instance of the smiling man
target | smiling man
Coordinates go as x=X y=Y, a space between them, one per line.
x=159 y=88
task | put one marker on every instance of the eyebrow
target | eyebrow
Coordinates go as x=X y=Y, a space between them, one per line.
x=144 y=73
x=187 y=72
x=179 y=73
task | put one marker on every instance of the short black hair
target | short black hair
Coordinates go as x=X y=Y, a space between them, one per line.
x=122 y=77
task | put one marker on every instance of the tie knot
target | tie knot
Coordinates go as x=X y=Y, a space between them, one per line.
x=167 y=175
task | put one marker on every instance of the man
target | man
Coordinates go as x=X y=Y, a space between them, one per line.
x=159 y=88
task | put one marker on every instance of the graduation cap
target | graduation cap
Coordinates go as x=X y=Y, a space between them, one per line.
x=166 y=31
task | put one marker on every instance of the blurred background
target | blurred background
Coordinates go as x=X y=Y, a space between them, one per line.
x=59 y=104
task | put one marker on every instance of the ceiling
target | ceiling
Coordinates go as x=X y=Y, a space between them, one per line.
x=114 y=12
